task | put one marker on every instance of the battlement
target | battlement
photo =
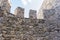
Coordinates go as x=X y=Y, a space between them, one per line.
x=32 y=14
x=19 y=12
x=5 y=5
x=16 y=27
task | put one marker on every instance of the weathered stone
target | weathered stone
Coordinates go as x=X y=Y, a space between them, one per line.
x=5 y=5
x=19 y=12
x=16 y=27
x=32 y=14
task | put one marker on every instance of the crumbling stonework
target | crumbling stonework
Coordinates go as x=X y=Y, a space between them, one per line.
x=16 y=27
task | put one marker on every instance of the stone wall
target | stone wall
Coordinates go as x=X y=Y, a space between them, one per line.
x=15 y=28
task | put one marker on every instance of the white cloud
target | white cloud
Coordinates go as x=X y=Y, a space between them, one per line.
x=29 y=0
x=25 y=2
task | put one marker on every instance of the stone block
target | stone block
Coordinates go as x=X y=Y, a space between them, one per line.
x=19 y=12
x=32 y=14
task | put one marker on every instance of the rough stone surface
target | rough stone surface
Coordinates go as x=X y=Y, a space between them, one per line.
x=19 y=12
x=17 y=28
x=32 y=14
x=5 y=5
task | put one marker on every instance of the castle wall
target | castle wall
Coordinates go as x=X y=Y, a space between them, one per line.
x=16 y=27
x=28 y=29
x=21 y=29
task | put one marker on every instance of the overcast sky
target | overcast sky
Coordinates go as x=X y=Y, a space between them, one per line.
x=26 y=4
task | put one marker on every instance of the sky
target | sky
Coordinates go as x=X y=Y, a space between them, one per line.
x=27 y=5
